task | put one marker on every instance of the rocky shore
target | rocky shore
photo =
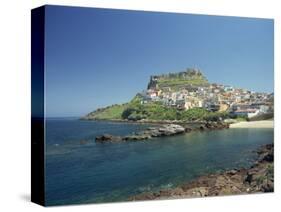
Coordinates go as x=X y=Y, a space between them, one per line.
x=258 y=178
x=162 y=130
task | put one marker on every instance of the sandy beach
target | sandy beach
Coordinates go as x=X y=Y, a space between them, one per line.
x=253 y=124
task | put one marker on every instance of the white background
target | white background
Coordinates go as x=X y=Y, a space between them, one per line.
x=15 y=103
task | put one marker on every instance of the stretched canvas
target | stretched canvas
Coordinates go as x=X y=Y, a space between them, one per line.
x=137 y=105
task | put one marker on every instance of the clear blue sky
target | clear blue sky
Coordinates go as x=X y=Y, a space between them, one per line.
x=98 y=57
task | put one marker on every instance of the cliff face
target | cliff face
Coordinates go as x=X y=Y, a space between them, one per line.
x=190 y=77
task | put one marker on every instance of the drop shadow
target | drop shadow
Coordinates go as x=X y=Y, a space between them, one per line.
x=25 y=197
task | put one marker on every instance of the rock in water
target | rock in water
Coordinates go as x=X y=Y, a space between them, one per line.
x=108 y=138
x=164 y=130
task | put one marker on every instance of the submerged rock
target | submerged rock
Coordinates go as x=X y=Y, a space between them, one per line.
x=258 y=178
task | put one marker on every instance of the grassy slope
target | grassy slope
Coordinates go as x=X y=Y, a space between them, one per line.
x=111 y=112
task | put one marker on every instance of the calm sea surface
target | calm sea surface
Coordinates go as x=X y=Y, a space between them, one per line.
x=78 y=170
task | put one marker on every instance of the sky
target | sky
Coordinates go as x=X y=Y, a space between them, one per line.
x=98 y=57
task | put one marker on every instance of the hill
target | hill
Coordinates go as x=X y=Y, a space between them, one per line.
x=155 y=110
x=188 y=96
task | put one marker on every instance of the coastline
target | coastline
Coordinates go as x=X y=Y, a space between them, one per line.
x=253 y=124
x=166 y=128
x=242 y=124
x=259 y=178
x=152 y=122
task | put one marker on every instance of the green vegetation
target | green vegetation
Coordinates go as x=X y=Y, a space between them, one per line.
x=260 y=180
x=268 y=177
x=107 y=113
x=150 y=111
x=270 y=171
x=238 y=118
x=134 y=111
x=241 y=118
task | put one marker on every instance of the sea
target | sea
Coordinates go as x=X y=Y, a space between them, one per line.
x=79 y=170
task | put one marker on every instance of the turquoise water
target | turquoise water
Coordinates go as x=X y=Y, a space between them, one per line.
x=78 y=170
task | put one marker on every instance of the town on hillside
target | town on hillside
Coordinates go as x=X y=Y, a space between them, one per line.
x=190 y=89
